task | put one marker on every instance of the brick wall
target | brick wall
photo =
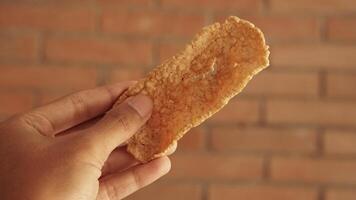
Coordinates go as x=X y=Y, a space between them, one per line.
x=290 y=135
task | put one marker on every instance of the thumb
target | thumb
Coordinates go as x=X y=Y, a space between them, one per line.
x=118 y=125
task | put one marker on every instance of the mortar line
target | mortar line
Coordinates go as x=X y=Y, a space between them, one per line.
x=208 y=146
x=322 y=84
x=265 y=7
x=319 y=142
x=103 y=75
x=262 y=111
x=98 y=18
x=36 y=97
x=205 y=191
x=321 y=193
x=323 y=29
x=41 y=37
x=266 y=168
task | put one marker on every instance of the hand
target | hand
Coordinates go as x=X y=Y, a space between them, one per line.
x=69 y=150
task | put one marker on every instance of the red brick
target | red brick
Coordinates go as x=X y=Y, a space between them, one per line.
x=47 y=77
x=314 y=56
x=274 y=27
x=127 y=3
x=55 y=17
x=258 y=192
x=340 y=194
x=311 y=112
x=15 y=102
x=264 y=139
x=127 y=74
x=341 y=29
x=152 y=23
x=313 y=170
x=235 y=5
x=168 y=49
x=241 y=110
x=314 y=7
x=215 y=167
x=341 y=85
x=18 y=47
x=339 y=142
x=299 y=28
x=284 y=84
x=64 y=3
x=98 y=50
x=168 y=191
x=194 y=140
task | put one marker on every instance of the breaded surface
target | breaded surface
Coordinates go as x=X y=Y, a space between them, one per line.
x=196 y=83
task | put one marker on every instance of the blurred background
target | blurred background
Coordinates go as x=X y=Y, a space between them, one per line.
x=290 y=135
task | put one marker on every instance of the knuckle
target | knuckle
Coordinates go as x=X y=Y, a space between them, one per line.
x=79 y=104
x=110 y=191
x=38 y=122
x=111 y=93
x=124 y=123
x=137 y=179
x=125 y=118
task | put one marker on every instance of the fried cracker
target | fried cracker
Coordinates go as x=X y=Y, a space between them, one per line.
x=196 y=83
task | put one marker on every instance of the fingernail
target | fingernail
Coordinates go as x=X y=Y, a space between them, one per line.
x=142 y=104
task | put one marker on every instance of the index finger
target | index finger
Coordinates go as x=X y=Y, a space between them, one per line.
x=73 y=109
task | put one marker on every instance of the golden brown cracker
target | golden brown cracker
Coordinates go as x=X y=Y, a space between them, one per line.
x=196 y=83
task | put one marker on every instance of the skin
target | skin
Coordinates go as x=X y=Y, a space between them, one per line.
x=70 y=148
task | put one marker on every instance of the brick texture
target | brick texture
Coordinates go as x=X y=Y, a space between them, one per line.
x=215 y=167
x=18 y=47
x=47 y=17
x=194 y=140
x=340 y=142
x=274 y=27
x=341 y=29
x=242 y=110
x=258 y=192
x=341 y=85
x=313 y=170
x=169 y=191
x=97 y=50
x=300 y=29
x=152 y=23
x=15 y=102
x=314 y=7
x=294 y=84
x=169 y=49
x=340 y=194
x=264 y=139
x=240 y=5
x=127 y=3
x=47 y=77
x=311 y=113
x=314 y=56
x=290 y=134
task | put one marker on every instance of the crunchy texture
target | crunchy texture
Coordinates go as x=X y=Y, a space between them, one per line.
x=196 y=83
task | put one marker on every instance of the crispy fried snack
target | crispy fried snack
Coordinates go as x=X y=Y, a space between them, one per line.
x=196 y=83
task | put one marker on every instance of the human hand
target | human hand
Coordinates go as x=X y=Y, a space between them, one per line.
x=69 y=150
